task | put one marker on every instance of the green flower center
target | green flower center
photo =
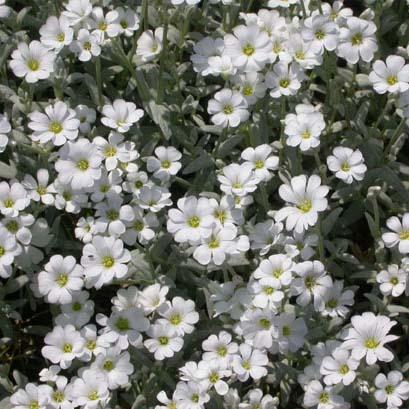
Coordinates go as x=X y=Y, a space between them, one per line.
x=122 y=324
x=246 y=365
x=83 y=165
x=228 y=109
x=163 y=340
x=175 y=319
x=394 y=280
x=165 y=164
x=392 y=79
x=220 y=215
x=76 y=306
x=286 y=331
x=41 y=190
x=319 y=35
x=343 y=369
x=332 y=303
x=222 y=351
x=249 y=50
x=371 y=343
x=324 y=397
x=356 y=39
x=309 y=282
x=195 y=398
x=138 y=225
x=58 y=397
x=214 y=377
x=138 y=184
x=268 y=290
x=55 y=127
x=12 y=226
x=194 y=222
x=108 y=261
x=123 y=24
x=389 y=389
x=103 y=26
x=345 y=167
x=87 y=46
x=33 y=405
x=214 y=244
x=2 y=251
x=259 y=164
x=8 y=203
x=34 y=65
x=62 y=280
x=60 y=37
x=284 y=83
x=67 y=348
x=108 y=365
x=110 y=151
x=264 y=323
x=93 y=395
x=112 y=215
x=305 y=206
x=248 y=90
x=237 y=185
x=91 y=345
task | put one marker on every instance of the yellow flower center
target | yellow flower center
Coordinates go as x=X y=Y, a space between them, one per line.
x=305 y=206
x=259 y=164
x=110 y=151
x=194 y=222
x=93 y=395
x=371 y=343
x=165 y=164
x=392 y=79
x=246 y=365
x=2 y=251
x=404 y=235
x=87 y=46
x=175 y=319
x=343 y=369
x=248 y=90
x=248 y=50
x=228 y=109
x=319 y=35
x=222 y=351
x=268 y=290
x=33 y=405
x=221 y=215
x=277 y=273
x=306 y=134
x=284 y=83
x=108 y=365
x=60 y=37
x=34 y=65
x=237 y=185
x=195 y=398
x=394 y=280
x=58 y=397
x=264 y=323
x=67 y=348
x=62 y=280
x=108 y=261
x=55 y=127
x=300 y=55
x=214 y=244
x=102 y=26
x=324 y=397
x=41 y=190
x=356 y=39
x=83 y=165
x=345 y=167
x=8 y=203
x=214 y=377
x=91 y=345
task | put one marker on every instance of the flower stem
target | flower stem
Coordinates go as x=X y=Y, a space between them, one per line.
x=396 y=135
x=145 y=20
x=159 y=97
x=98 y=76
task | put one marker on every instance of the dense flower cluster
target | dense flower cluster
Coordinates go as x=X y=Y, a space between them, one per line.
x=206 y=202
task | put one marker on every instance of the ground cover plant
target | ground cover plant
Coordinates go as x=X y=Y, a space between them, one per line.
x=204 y=204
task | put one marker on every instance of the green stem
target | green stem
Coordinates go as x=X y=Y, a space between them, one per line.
x=145 y=20
x=161 y=89
x=396 y=135
x=321 y=249
x=304 y=11
x=282 y=141
x=382 y=115
x=98 y=76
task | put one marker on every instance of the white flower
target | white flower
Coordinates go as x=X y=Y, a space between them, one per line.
x=189 y=2
x=13 y=198
x=56 y=33
x=86 y=116
x=307 y=199
x=32 y=396
x=250 y=363
x=124 y=327
x=153 y=198
x=115 y=365
x=261 y=160
x=115 y=150
x=339 y=367
x=211 y=374
x=167 y=403
x=149 y=44
x=265 y=236
x=58 y=124
x=289 y=332
x=103 y=260
x=251 y=85
x=367 y=337
x=87 y=228
x=140 y=228
x=62 y=277
x=191 y=221
x=248 y=48
x=224 y=212
x=281 y=3
x=69 y=199
x=392 y=389
x=302 y=52
x=33 y=62
x=94 y=344
x=258 y=326
x=63 y=345
x=4 y=10
x=90 y=390
x=127 y=20
x=109 y=184
x=76 y=11
x=180 y=314
x=9 y=249
x=390 y=76
x=163 y=341
x=357 y=40
x=347 y=164
x=87 y=45
x=285 y=79
x=165 y=164
x=78 y=312
x=152 y=297
x=325 y=398
x=39 y=190
x=228 y=108
x=79 y=164
x=304 y=128
x=276 y=270
x=5 y=128
x=399 y=236
x=221 y=65
x=257 y=399
x=190 y=395
x=104 y=24
x=121 y=115
x=392 y=281
x=321 y=32
x=59 y=398
x=216 y=246
x=203 y=50
x=301 y=244
x=238 y=180
x=334 y=301
x=219 y=347
x=313 y=281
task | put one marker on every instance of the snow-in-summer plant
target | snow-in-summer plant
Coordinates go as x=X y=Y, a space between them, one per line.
x=204 y=204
